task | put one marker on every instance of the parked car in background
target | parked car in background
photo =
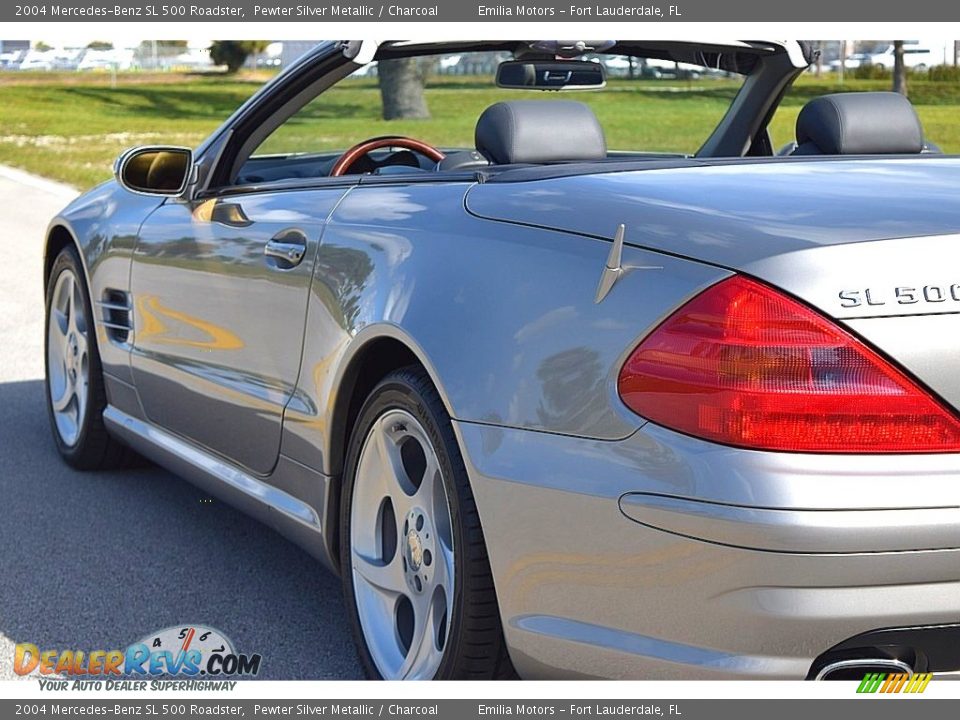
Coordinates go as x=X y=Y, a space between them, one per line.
x=657 y=67
x=917 y=55
x=96 y=63
x=619 y=66
x=112 y=59
x=11 y=60
x=852 y=62
x=37 y=60
x=449 y=63
x=652 y=68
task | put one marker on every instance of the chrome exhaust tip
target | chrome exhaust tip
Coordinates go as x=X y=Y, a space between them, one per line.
x=857 y=668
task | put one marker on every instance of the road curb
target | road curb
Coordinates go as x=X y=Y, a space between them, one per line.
x=39 y=183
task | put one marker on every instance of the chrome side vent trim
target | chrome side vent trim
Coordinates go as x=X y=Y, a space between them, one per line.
x=116 y=315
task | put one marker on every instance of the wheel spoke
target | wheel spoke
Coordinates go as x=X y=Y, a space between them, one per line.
x=79 y=319
x=376 y=468
x=81 y=340
x=391 y=469
x=81 y=392
x=428 y=485
x=421 y=644
x=62 y=325
x=442 y=569
x=61 y=404
x=71 y=305
x=383 y=576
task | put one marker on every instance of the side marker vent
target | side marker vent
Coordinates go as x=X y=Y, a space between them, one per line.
x=116 y=315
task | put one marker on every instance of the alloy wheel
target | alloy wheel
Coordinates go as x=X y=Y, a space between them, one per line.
x=401 y=548
x=68 y=358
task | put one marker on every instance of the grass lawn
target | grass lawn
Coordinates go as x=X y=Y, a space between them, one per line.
x=71 y=127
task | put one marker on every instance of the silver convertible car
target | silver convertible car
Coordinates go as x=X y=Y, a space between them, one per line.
x=551 y=408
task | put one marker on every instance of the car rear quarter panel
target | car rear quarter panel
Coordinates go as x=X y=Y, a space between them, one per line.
x=502 y=316
x=870 y=242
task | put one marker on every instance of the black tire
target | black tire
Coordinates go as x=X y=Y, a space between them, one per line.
x=94 y=448
x=475 y=648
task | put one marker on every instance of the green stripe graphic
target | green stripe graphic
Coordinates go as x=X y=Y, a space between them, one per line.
x=871 y=682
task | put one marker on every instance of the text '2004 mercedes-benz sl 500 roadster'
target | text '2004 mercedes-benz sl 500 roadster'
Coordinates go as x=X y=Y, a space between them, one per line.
x=551 y=408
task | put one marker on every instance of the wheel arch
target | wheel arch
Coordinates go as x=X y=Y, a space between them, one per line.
x=480 y=649
x=59 y=236
x=374 y=353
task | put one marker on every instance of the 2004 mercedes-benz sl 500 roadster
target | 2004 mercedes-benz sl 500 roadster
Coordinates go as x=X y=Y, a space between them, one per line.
x=550 y=408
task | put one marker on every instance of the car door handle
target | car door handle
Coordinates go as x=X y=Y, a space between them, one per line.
x=286 y=249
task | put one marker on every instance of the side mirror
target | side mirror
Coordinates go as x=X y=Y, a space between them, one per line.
x=155 y=170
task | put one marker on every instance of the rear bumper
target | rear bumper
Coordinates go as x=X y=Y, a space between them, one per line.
x=661 y=556
x=797 y=530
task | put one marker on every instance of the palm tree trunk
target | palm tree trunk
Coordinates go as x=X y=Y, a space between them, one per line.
x=899 y=69
x=401 y=88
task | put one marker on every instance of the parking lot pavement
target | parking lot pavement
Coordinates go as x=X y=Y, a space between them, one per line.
x=95 y=561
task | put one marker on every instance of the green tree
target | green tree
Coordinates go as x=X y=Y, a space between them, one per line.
x=234 y=53
x=42 y=46
x=100 y=45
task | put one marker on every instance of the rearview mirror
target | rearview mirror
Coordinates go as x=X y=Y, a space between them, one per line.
x=155 y=170
x=551 y=75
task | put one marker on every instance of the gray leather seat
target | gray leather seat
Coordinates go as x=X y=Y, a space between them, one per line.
x=539 y=131
x=859 y=123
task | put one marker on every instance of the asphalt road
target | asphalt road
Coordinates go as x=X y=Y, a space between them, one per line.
x=98 y=560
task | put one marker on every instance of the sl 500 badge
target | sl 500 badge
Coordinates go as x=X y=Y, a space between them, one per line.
x=900 y=296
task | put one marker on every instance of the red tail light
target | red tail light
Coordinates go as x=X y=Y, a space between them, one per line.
x=742 y=364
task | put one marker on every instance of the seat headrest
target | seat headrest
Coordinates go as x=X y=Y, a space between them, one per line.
x=539 y=131
x=859 y=123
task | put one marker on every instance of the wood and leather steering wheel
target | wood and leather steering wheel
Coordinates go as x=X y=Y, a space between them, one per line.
x=346 y=161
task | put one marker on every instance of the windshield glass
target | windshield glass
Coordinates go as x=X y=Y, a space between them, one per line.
x=648 y=105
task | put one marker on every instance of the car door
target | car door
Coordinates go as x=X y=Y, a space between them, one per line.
x=220 y=291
